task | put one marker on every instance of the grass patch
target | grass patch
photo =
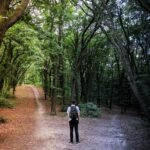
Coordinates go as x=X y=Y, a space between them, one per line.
x=5 y=103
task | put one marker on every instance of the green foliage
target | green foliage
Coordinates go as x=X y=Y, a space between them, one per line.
x=4 y=103
x=64 y=108
x=33 y=76
x=89 y=110
x=86 y=110
x=19 y=50
x=55 y=38
x=5 y=95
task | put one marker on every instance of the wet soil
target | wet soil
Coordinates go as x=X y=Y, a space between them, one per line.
x=35 y=129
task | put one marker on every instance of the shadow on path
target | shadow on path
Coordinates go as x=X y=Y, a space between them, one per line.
x=52 y=132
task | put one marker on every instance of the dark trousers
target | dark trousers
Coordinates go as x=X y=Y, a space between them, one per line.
x=74 y=125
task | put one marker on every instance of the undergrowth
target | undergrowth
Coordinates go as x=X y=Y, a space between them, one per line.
x=5 y=103
x=89 y=110
x=86 y=110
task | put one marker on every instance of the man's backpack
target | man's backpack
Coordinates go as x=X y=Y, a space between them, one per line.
x=73 y=113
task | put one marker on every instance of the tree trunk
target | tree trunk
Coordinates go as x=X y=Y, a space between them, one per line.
x=61 y=58
x=73 y=96
x=111 y=92
x=7 y=21
x=1 y=84
x=53 y=90
x=83 y=92
x=98 y=88
x=75 y=87
x=129 y=72
x=45 y=79
x=131 y=76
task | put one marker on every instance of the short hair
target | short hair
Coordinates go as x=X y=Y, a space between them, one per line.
x=73 y=101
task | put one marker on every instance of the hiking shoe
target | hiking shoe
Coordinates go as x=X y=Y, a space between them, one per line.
x=77 y=142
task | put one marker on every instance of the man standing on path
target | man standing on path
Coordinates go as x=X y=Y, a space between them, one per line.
x=73 y=113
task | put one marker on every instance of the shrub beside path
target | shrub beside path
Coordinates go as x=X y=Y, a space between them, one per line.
x=35 y=129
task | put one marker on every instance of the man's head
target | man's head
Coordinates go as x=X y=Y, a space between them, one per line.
x=73 y=102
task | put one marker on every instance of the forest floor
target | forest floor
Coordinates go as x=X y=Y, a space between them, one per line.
x=31 y=127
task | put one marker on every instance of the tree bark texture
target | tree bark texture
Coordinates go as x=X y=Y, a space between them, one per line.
x=9 y=17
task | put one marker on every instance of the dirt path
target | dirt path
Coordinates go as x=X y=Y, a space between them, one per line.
x=52 y=132
x=111 y=132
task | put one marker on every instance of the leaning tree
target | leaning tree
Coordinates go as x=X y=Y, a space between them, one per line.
x=10 y=12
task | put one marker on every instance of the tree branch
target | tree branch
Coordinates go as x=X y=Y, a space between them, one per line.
x=145 y=4
x=17 y=14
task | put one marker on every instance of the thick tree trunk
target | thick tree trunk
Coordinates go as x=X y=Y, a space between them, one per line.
x=7 y=21
x=83 y=93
